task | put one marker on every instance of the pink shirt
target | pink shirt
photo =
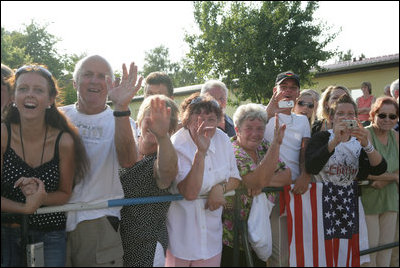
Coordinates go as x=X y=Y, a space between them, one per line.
x=364 y=103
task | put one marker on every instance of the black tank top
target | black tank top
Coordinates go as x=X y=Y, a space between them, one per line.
x=14 y=167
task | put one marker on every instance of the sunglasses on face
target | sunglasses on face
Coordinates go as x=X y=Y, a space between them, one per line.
x=391 y=116
x=303 y=103
x=33 y=68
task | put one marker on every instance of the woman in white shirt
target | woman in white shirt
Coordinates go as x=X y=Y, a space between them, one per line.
x=207 y=166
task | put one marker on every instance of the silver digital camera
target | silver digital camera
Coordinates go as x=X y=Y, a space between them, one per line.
x=351 y=124
x=286 y=104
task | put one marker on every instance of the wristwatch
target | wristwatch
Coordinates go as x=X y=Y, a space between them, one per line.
x=121 y=113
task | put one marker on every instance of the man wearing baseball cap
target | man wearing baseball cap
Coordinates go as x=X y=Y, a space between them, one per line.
x=292 y=152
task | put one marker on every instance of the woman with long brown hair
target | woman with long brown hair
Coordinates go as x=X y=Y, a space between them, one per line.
x=37 y=143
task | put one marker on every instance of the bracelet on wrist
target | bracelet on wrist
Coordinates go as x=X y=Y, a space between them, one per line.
x=223 y=184
x=122 y=113
x=369 y=148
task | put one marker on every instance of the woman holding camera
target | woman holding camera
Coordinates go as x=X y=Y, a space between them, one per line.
x=341 y=154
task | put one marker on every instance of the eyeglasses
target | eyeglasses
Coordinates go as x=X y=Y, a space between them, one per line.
x=309 y=104
x=391 y=116
x=30 y=68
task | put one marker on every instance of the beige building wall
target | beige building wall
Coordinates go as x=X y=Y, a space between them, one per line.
x=352 y=80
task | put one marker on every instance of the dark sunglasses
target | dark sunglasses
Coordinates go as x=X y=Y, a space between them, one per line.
x=391 y=116
x=303 y=103
x=33 y=68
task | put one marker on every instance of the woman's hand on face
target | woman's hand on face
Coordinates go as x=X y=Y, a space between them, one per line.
x=159 y=118
x=202 y=137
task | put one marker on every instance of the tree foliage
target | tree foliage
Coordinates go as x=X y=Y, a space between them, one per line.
x=36 y=45
x=346 y=56
x=248 y=44
x=157 y=60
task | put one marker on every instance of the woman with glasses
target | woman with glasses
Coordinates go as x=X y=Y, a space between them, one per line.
x=380 y=200
x=259 y=165
x=206 y=166
x=38 y=143
x=305 y=105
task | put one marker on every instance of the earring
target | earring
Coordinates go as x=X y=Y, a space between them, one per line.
x=48 y=107
x=14 y=104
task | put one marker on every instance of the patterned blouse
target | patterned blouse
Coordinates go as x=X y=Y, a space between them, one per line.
x=142 y=226
x=245 y=165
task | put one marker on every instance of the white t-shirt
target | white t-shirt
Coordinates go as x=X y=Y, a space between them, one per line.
x=102 y=182
x=342 y=166
x=195 y=232
x=297 y=128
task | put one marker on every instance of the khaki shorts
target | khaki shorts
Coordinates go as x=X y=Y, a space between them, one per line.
x=94 y=243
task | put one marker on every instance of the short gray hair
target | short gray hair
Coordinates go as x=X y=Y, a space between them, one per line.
x=78 y=66
x=249 y=111
x=213 y=83
x=394 y=87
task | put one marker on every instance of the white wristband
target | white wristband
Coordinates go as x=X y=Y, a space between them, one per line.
x=369 y=148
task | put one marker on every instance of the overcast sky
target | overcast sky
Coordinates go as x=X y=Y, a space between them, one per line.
x=123 y=31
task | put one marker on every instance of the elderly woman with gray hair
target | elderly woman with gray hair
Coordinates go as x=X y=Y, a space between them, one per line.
x=259 y=166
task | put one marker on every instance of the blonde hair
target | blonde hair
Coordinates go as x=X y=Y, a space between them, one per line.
x=311 y=93
x=323 y=111
x=146 y=106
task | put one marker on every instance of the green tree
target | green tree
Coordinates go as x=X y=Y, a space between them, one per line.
x=36 y=45
x=11 y=55
x=342 y=56
x=248 y=44
x=345 y=56
x=157 y=60
x=67 y=90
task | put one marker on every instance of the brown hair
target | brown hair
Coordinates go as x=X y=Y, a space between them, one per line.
x=368 y=85
x=157 y=78
x=195 y=104
x=379 y=103
x=53 y=117
x=343 y=99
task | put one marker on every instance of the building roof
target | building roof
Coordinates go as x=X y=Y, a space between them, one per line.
x=361 y=64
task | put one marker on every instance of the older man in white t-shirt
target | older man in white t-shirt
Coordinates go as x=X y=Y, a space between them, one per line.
x=292 y=152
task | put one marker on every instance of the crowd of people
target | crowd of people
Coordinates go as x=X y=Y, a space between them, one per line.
x=87 y=152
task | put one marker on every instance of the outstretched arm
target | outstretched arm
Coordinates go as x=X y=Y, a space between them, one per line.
x=121 y=96
x=158 y=122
